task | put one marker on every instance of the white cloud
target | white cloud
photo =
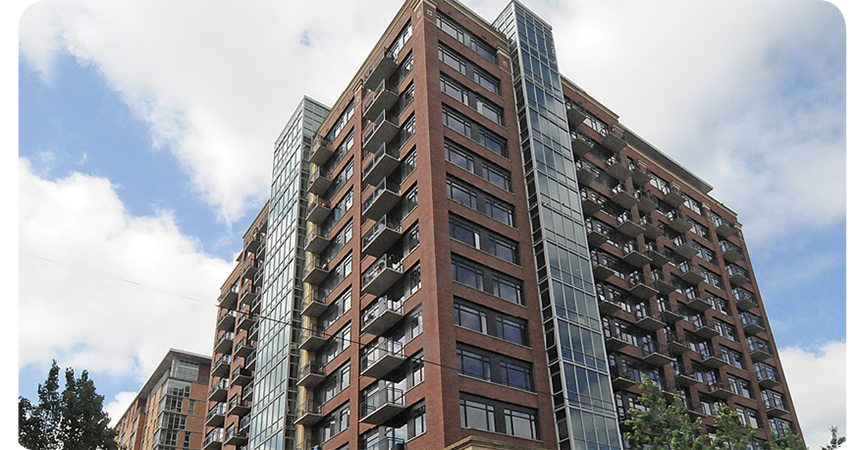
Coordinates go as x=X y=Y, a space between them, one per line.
x=817 y=380
x=118 y=406
x=712 y=83
x=103 y=290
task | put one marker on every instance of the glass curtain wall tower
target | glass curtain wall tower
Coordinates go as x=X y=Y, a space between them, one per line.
x=581 y=387
x=279 y=329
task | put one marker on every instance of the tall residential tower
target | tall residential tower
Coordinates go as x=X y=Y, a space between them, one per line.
x=468 y=251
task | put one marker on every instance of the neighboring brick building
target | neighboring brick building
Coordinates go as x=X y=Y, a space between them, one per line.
x=168 y=411
x=417 y=292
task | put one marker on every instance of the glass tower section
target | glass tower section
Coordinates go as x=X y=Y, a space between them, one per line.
x=275 y=388
x=581 y=386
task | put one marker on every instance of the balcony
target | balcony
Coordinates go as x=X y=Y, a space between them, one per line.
x=731 y=252
x=614 y=140
x=245 y=425
x=647 y=319
x=691 y=273
x=231 y=437
x=662 y=282
x=382 y=405
x=574 y=117
x=380 y=164
x=224 y=343
x=677 y=345
x=752 y=324
x=659 y=257
x=381 y=315
x=311 y=374
x=725 y=229
x=381 y=67
x=380 y=237
x=380 y=200
x=670 y=314
x=215 y=416
x=379 y=100
x=238 y=407
x=380 y=131
x=647 y=201
x=656 y=354
x=705 y=330
x=248 y=296
x=678 y=221
x=243 y=348
x=316 y=240
x=623 y=379
x=226 y=321
x=673 y=196
x=684 y=247
x=248 y=392
x=767 y=381
x=597 y=232
x=759 y=349
x=312 y=339
x=696 y=301
x=251 y=361
x=640 y=286
x=246 y=321
x=600 y=270
x=685 y=379
x=320 y=151
x=775 y=407
x=249 y=271
x=218 y=391
x=720 y=390
x=633 y=256
x=252 y=331
x=213 y=439
x=385 y=443
x=381 y=276
x=592 y=202
x=318 y=209
x=652 y=228
x=241 y=377
x=221 y=368
x=639 y=172
x=253 y=244
x=627 y=226
x=615 y=343
x=623 y=196
x=608 y=306
x=744 y=299
x=255 y=308
x=586 y=172
x=380 y=359
x=316 y=270
x=714 y=362
x=319 y=180
x=581 y=145
x=228 y=299
x=737 y=275
x=309 y=413
x=313 y=305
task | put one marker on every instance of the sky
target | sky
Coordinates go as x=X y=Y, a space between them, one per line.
x=146 y=129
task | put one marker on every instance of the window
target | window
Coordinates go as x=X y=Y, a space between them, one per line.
x=508 y=289
x=473 y=364
x=503 y=248
x=521 y=424
x=747 y=416
x=454 y=89
x=491 y=322
x=470 y=318
x=486 y=80
x=467 y=274
x=477 y=415
x=459 y=33
x=726 y=330
x=474 y=163
x=499 y=210
x=332 y=424
x=465 y=96
x=474 y=131
x=496 y=175
x=452 y=59
x=732 y=357
x=493 y=142
x=465 y=233
x=459 y=156
x=739 y=386
x=483 y=239
x=462 y=194
x=516 y=375
x=333 y=385
x=489 y=110
x=457 y=123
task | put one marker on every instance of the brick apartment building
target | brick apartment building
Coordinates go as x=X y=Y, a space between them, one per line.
x=468 y=251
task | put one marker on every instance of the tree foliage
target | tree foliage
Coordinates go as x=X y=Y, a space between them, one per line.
x=836 y=441
x=660 y=424
x=71 y=420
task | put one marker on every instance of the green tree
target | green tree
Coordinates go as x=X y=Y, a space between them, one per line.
x=662 y=425
x=836 y=441
x=73 y=420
